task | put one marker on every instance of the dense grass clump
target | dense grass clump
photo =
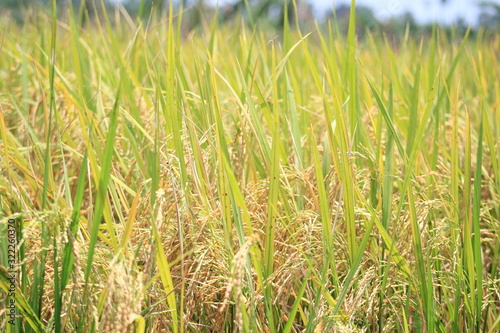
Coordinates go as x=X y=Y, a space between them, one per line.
x=233 y=179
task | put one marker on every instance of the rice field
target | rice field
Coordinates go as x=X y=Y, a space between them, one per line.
x=238 y=179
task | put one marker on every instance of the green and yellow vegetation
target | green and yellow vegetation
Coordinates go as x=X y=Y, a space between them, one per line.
x=237 y=179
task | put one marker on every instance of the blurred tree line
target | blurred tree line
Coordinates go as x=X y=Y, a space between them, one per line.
x=268 y=13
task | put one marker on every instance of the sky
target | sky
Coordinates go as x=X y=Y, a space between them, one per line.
x=424 y=11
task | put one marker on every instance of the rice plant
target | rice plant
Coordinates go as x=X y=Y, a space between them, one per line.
x=236 y=178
